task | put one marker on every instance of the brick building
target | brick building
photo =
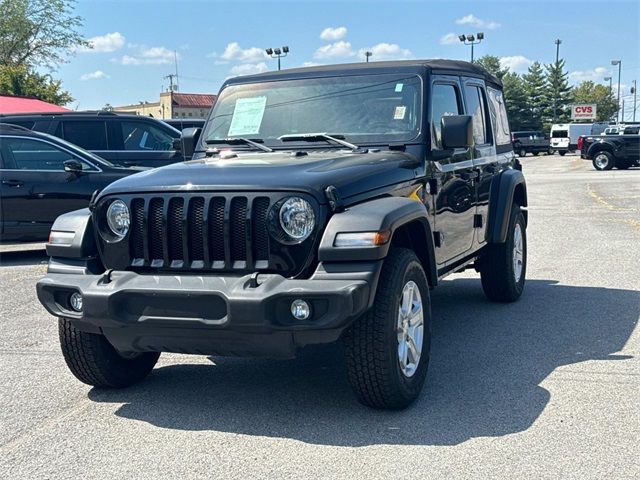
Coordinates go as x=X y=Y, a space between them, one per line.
x=173 y=105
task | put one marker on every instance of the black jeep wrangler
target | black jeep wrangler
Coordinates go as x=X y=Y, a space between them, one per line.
x=321 y=204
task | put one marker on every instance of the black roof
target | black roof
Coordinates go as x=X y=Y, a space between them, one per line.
x=451 y=67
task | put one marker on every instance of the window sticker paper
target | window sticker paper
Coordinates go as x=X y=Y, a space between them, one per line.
x=399 y=87
x=247 y=116
x=399 y=112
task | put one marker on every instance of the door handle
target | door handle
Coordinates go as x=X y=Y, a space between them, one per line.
x=13 y=183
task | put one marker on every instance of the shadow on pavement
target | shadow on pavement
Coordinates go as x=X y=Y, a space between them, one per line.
x=26 y=257
x=487 y=363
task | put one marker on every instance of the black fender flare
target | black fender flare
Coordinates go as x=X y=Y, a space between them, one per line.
x=381 y=214
x=83 y=244
x=506 y=187
x=594 y=148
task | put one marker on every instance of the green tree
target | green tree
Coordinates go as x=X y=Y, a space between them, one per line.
x=590 y=92
x=38 y=33
x=516 y=101
x=558 y=93
x=535 y=89
x=491 y=64
x=21 y=80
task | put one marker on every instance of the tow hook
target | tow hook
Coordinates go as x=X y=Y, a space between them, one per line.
x=106 y=278
x=253 y=280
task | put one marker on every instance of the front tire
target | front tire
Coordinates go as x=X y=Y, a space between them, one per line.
x=603 y=161
x=94 y=361
x=387 y=349
x=503 y=266
x=522 y=152
x=562 y=153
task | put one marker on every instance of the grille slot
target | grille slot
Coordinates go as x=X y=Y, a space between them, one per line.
x=206 y=231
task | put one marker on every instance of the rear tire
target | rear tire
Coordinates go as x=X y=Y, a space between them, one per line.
x=603 y=161
x=622 y=165
x=94 y=361
x=380 y=355
x=562 y=153
x=503 y=266
x=522 y=152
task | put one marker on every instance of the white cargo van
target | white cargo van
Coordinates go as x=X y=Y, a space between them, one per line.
x=564 y=136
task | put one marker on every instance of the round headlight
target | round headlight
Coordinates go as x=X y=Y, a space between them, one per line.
x=297 y=218
x=118 y=218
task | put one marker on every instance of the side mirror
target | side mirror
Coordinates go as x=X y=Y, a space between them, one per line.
x=73 y=166
x=457 y=131
x=189 y=140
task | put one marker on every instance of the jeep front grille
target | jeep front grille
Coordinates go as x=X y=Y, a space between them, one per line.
x=196 y=232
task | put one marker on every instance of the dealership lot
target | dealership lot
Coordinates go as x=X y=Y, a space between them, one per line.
x=546 y=387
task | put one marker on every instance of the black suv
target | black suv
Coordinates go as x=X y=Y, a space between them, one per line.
x=127 y=140
x=42 y=177
x=321 y=203
x=531 y=141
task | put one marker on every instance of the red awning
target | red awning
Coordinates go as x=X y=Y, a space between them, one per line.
x=12 y=104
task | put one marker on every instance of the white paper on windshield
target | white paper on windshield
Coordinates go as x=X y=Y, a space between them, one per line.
x=399 y=112
x=247 y=116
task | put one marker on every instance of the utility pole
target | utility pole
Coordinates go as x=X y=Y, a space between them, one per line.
x=175 y=57
x=367 y=54
x=634 y=90
x=555 y=93
x=622 y=114
x=170 y=77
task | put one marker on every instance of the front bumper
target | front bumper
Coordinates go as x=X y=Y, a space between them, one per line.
x=209 y=314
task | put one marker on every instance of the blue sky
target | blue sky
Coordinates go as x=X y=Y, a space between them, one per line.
x=135 y=40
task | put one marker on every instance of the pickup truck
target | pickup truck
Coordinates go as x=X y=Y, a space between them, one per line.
x=608 y=151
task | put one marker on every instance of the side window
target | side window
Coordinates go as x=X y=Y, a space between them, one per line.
x=88 y=134
x=445 y=101
x=499 y=116
x=23 y=123
x=476 y=108
x=143 y=136
x=29 y=154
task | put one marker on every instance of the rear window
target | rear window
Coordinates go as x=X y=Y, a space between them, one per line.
x=91 y=135
x=560 y=134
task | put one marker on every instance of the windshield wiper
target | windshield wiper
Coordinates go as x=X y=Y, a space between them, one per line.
x=240 y=141
x=312 y=137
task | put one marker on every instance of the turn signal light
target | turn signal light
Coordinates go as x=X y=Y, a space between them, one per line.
x=362 y=239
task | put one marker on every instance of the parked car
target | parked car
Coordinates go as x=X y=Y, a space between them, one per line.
x=43 y=177
x=530 y=142
x=127 y=140
x=564 y=136
x=605 y=152
x=182 y=123
x=276 y=236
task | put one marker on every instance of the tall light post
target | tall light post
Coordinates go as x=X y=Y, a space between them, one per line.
x=610 y=79
x=471 y=40
x=557 y=41
x=277 y=53
x=368 y=54
x=619 y=64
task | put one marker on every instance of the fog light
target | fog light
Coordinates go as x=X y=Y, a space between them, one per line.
x=75 y=300
x=300 y=309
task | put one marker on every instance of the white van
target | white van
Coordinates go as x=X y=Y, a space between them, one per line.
x=564 y=136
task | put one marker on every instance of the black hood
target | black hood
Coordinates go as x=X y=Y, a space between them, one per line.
x=351 y=173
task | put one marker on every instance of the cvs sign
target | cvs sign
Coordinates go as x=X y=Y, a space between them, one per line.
x=585 y=111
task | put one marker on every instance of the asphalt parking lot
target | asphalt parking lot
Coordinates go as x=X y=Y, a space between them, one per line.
x=548 y=387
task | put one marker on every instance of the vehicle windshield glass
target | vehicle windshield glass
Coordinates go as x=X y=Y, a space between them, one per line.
x=362 y=109
x=559 y=134
x=81 y=151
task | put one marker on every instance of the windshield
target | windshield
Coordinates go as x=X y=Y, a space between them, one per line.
x=81 y=151
x=361 y=109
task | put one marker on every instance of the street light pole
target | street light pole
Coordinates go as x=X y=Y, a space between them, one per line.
x=277 y=53
x=368 y=54
x=619 y=64
x=634 y=90
x=610 y=79
x=555 y=93
x=470 y=40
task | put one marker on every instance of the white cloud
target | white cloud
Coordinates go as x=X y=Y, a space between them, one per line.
x=249 y=68
x=386 y=51
x=595 y=75
x=235 y=52
x=150 y=56
x=477 y=22
x=331 y=34
x=107 y=43
x=310 y=64
x=339 y=49
x=516 y=63
x=98 y=74
x=449 y=39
